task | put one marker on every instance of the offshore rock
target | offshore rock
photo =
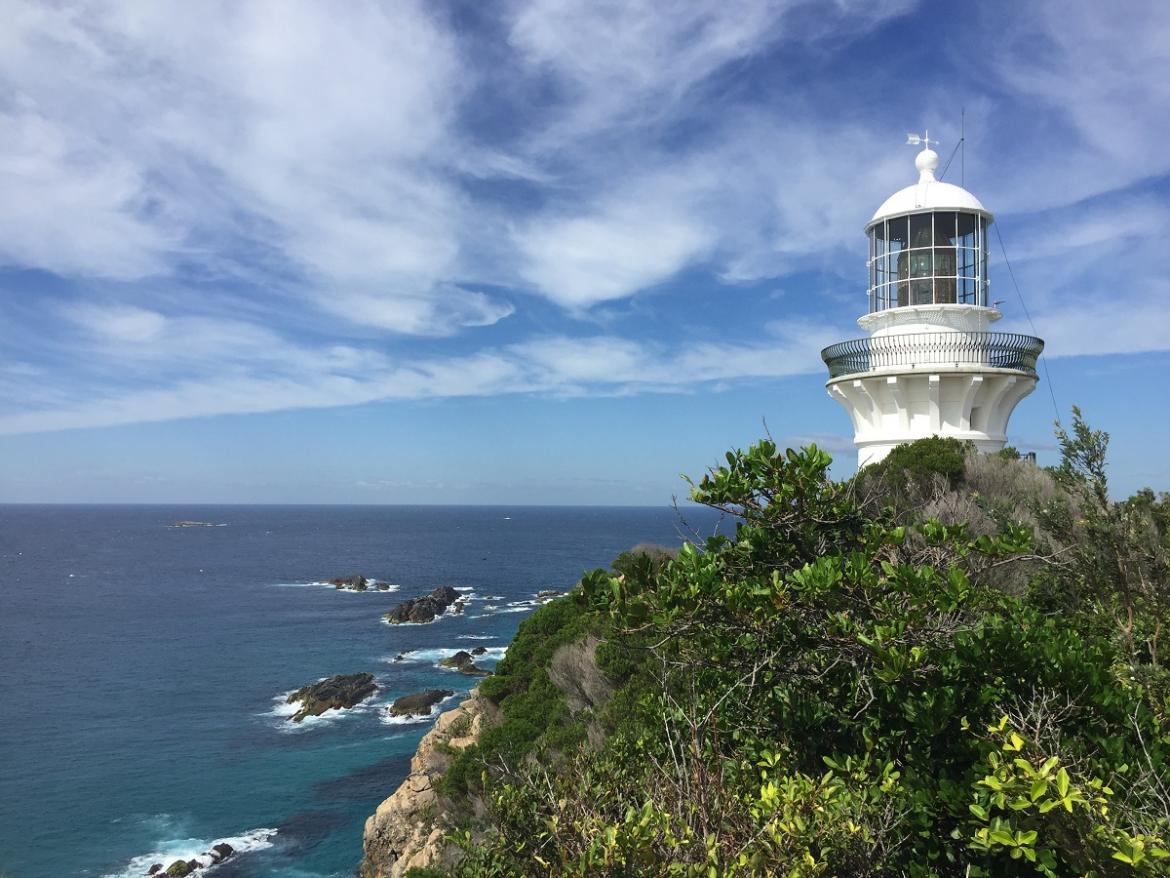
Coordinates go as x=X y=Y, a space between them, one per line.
x=419 y=704
x=409 y=828
x=464 y=664
x=458 y=660
x=425 y=608
x=336 y=693
x=357 y=582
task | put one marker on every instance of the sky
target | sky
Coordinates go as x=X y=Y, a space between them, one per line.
x=539 y=251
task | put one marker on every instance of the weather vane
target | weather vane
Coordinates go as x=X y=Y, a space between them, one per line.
x=914 y=140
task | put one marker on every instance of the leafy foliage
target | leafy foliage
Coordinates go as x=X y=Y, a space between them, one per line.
x=845 y=689
x=919 y=460
x=533 y=708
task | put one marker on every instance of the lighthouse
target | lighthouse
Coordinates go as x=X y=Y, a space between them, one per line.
x=930 y=364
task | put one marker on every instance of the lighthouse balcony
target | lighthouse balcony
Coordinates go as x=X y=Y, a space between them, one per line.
x=933 y=351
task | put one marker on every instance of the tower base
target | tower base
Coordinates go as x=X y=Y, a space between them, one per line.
x=889 y=408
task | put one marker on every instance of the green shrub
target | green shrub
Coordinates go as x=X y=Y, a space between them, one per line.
x=923 y=459
x=834 y=692
x=534 y=710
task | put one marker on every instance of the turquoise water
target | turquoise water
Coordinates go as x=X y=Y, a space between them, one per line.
x=142 y=668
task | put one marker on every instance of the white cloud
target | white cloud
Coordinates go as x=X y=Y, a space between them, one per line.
x=437 y=314
x=188 y=366
x=70 y=206
x=1094 y=81
x=628 y=246
x=119 y=324
x=157 y=134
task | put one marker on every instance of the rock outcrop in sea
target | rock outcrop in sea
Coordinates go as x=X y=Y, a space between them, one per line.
x=335 y=693
x=425 y=608
x=463 y=662
x=358 y=582
x=419 y=704
x=181 y=868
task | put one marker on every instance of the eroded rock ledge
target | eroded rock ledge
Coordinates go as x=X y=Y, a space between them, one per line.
x=408 y=828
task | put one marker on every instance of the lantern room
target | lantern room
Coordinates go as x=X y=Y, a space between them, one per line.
x=928 y=245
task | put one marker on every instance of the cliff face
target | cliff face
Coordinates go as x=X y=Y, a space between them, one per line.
x=408 y=828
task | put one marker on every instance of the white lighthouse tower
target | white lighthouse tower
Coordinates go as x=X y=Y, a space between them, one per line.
x=930 y=365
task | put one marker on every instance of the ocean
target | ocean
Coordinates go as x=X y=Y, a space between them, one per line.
x=143 y=668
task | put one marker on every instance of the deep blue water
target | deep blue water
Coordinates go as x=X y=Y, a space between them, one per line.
x=141 y=665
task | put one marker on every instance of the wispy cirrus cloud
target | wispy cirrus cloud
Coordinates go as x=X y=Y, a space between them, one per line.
x=231 y=367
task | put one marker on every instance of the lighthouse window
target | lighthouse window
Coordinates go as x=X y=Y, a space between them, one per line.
x=928 y=258
x=966 y=231
x=920 y=228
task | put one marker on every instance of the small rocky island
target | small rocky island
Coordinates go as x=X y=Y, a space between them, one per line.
x=335 y=693
x=463 y=662
x=425 y=608
x=357 y=582
x=419 y=704
x=181 y=868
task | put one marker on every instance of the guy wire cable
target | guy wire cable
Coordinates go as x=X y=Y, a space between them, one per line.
x=1028 y=315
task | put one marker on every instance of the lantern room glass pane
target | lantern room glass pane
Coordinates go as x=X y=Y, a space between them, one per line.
x=920 y=230
x=897 y=234
x=966 y=259
x=965 y=236
x=967 y=291
x=944 y=228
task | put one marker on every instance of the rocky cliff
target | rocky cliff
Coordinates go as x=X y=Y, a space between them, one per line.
x=408 y=828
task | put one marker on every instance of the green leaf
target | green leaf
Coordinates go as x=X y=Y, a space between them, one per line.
x=1062 y=782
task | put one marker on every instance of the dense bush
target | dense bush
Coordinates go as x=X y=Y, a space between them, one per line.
x=848 y=689
x=924 y=458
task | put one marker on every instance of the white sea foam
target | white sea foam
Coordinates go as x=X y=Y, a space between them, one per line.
x=446 y=615
x=170 y=850
x=478 y=637
x=465 y=588
x=393 y=587
x=493 y=653
x=282 y=707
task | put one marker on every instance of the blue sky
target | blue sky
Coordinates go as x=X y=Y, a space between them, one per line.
x=543 y=251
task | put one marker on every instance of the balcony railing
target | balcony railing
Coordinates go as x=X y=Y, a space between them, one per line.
x=927 y=350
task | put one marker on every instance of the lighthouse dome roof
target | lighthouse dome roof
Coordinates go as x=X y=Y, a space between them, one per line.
x=928 y=194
